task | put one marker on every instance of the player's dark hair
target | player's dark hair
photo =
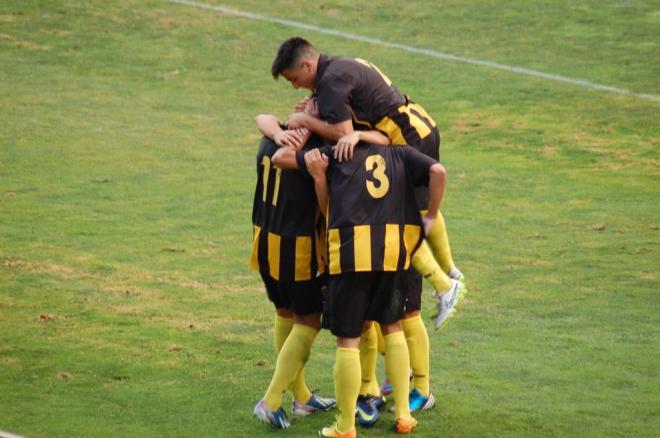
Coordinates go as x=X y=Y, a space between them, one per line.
x=290 y=53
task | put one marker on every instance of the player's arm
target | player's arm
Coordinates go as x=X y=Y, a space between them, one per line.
x=426 y=171
x=346 y=144
x=316 y=163
x=270 y=127
x=334 y=118
x=285 y=158
x=330 y=131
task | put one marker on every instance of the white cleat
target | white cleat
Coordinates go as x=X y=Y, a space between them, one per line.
x=456 y=274
x=446 y=302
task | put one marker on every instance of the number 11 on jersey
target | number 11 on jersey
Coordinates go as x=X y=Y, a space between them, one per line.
x=265 y=161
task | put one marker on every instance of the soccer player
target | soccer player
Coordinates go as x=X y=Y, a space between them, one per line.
x=286 y=252
x=374 y=227
x=353 y=94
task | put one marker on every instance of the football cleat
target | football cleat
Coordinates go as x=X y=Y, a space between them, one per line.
x=379 y=402
x=405 y=425
x=456 y=274
x=386 y=388
x=446 y=302
x=366 y=411
x=314 y=404
x=333 y=432
x=420 y=403
x=276 y=419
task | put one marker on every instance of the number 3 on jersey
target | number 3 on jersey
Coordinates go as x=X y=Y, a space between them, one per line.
x=377 y=166
x=265 y=161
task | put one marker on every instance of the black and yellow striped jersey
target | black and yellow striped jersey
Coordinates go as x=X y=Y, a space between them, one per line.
x=374 y=223
x=355 y=89
x=285 y=218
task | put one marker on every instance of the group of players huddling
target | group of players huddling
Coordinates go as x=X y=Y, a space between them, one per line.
x=346 y=222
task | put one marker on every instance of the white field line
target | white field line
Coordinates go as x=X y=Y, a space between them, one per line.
x=428 y=52
x=4 y=434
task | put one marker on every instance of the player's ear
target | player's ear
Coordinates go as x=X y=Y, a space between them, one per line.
x=306 y=64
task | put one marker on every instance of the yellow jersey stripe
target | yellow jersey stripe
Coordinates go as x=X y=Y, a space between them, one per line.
x=415 y=121
x=334 y=243
x=392 y=247
x=274 y=255
x=303 y=256
x=254 y=258
x=411 y=235
x=392 y=130
x=417 y=107
x=362 y=247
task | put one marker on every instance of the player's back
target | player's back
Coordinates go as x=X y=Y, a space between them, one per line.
x=284 y=200
x=374 y=222
x=285 y=242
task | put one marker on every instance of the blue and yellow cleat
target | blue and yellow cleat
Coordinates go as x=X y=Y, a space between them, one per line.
x=314 y=404
x=277 y=419
x=366 y=411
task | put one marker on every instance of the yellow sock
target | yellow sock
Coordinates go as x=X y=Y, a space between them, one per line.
x=290 y=361
x=397 y=365
x=283 y=327
x=368 y=357
x=379 y=337
x=299 y=388
x=417 y=339
x=428 y=267
x=347 y=386
x=439 y=242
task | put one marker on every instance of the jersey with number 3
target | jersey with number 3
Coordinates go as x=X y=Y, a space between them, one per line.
x=285 y=216
x=374 y=222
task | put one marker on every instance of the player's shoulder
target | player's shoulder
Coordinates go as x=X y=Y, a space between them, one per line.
x=342 y=66
x=267 y=147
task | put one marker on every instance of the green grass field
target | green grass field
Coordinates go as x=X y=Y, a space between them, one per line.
x=127 y=145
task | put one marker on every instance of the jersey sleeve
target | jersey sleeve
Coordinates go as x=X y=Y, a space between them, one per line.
x=418 y=166
x=332 y=99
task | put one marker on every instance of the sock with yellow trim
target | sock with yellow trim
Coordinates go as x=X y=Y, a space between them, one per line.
x=439 y=243
x=290 y=362
x=417 y=339
x=428 y=267
x=283 y=326
x=379 y=337
x=347 y=386
x=397 y=366
x=368 y=357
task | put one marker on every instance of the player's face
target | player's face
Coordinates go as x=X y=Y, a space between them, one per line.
x=300 y=76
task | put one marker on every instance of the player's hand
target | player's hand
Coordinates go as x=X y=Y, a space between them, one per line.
x=317 y=163
x=301 y=105
x=290 y=137
x=345 y=145
x=427 y=223
x=296 y=120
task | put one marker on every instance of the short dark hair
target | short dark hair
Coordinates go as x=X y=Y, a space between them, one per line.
x=290 y=53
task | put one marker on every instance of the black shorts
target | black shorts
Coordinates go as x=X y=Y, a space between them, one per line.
x=411 y=284
x=355 y=297
x=430 y=146
x=301 y=297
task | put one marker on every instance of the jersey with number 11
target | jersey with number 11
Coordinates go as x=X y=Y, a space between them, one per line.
x=284 y=217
